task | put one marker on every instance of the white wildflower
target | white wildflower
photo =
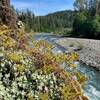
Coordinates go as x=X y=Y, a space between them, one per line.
x=24 y=77
x=7 y=75
x=2 y=88
x=23 y=93
x=2 y=93
x=2 y=64
x=36 y=96
x=51 y=82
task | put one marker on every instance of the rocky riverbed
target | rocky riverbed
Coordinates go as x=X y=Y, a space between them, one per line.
x=88 y=49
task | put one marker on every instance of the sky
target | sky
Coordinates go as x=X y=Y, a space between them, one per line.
x=43 y=7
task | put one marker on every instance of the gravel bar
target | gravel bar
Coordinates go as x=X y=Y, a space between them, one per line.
x=88 y=49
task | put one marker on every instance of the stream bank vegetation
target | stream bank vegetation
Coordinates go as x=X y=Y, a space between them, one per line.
x=36 y=73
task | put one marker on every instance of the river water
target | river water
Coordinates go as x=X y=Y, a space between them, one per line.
x=92 y=88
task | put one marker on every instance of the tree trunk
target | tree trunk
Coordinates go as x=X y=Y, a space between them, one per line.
x=7 y=15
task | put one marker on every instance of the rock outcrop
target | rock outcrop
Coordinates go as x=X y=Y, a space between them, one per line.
x=7 y=14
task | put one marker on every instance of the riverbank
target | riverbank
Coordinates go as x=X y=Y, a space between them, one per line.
x=88 y=49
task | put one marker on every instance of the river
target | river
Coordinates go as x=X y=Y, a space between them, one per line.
x=92 y=88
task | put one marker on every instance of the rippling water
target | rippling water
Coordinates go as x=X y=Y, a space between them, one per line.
x=92 y=88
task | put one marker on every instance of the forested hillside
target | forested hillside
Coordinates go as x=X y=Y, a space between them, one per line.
x=55 y=22
x=82 y=22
